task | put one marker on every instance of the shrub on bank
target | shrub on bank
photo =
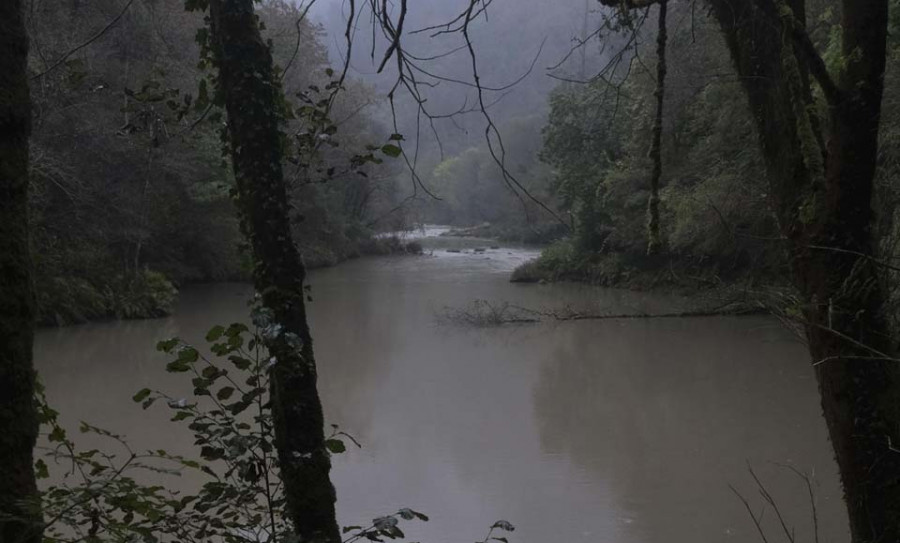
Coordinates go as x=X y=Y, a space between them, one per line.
x=72 y=300
x=68 y=300
x=529 y=272
x=565 y=261
x=390 y=245
x=146 y=294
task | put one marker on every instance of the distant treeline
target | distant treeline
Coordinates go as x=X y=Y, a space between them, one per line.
x=588 y=161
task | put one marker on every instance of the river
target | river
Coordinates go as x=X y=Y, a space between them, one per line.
x=624 y=431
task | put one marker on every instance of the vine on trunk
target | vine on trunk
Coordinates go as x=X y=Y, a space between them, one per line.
x=654 y=241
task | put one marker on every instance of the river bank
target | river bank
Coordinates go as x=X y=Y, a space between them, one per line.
x=746 y=287
x=560 y=259
x=149 y=294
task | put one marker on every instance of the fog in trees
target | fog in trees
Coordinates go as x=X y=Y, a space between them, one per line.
x=364 y=270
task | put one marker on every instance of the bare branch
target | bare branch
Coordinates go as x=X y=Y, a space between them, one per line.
x=395 y=44
x=756 y=519
x=299 y=36
x=84 y=44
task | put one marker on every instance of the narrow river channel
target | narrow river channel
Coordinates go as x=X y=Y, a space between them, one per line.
x=599 y=431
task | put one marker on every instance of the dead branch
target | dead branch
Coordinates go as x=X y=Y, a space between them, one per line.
x=483 y=313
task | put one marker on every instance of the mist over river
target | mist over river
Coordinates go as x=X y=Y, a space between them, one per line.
x=619 y=431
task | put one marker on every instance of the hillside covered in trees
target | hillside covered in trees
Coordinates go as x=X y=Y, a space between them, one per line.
x=586 y=155
x=131 y=192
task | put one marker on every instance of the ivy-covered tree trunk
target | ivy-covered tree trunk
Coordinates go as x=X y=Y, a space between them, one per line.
x=20 y=519
x=252 y=98
x=822 y=195
x=654 y=241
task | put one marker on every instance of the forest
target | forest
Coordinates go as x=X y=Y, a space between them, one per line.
x=364 y=270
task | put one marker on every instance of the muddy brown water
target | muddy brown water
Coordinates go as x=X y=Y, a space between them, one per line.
x=599 y=431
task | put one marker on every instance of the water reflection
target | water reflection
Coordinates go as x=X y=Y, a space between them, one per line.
x=668 y=413
x=616 y=431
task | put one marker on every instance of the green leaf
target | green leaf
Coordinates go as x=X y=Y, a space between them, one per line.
x=215 y=333
x=167 y=345
x=396 y=137
x=240 y=362
x=212 y=373
x=235 y=342
x=225 y=393
x=57 y=434
x=141 y=395
x=211 y=453
x=236 y=329
x=178 y=366
x=188 y=354
x=335 y=446
x=238 y=407
x=40 y=469
x=391 y=150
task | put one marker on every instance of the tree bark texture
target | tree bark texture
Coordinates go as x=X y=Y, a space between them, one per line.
x=20 y=519
x=654 y=241
x=821 y=189
x=252 y=97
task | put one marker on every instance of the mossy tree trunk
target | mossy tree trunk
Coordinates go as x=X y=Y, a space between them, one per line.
x=20 y=519
x=654 y=241
x=252 y=98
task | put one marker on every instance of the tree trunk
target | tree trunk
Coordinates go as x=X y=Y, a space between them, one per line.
x=252 y=97
x=20 y=519
x=654 y=241
x=822 y=196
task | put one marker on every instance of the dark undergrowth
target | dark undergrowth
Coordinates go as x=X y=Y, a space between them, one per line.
x=562 y=261
x=149 y=293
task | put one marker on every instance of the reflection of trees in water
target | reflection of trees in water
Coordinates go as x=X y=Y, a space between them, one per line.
x=643 y=420
x=667 y=413
x=355 y=338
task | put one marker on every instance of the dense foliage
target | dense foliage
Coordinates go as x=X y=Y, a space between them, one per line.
x=714 y=217
x=716 y=221
x=130 y=186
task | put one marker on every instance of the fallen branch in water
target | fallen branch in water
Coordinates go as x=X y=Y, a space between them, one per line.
x=482 y=313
